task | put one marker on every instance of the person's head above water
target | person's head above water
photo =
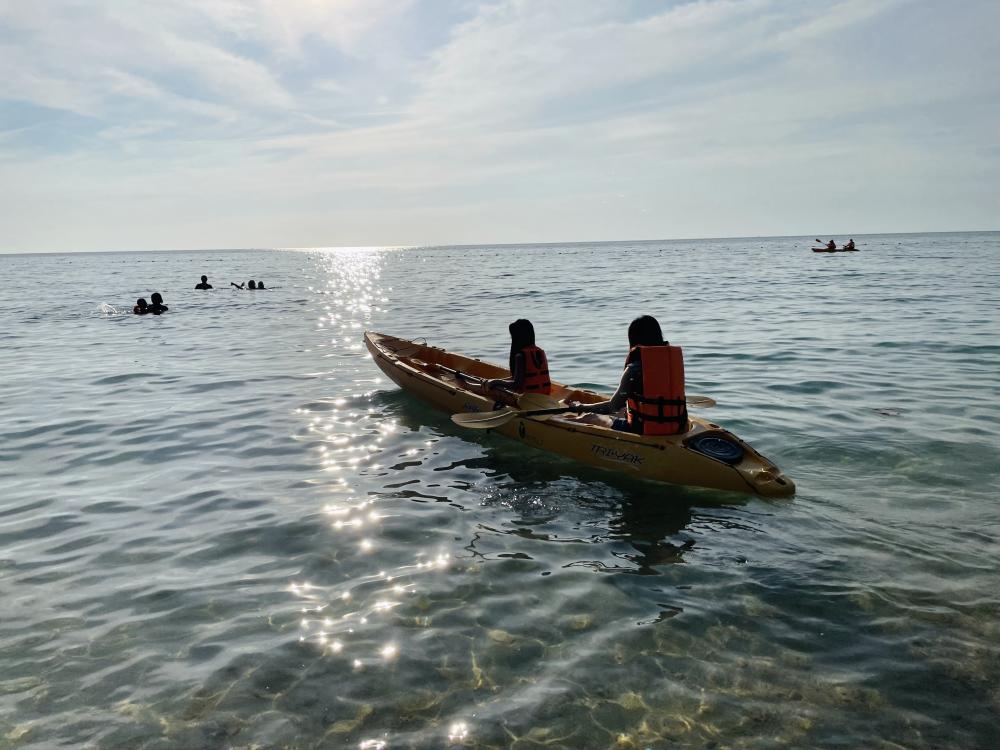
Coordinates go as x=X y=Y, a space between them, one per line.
x=260 y=284
x=156 y=299
x=141 y=303
x=204 y=279
x=645 y=331
x=251 y=284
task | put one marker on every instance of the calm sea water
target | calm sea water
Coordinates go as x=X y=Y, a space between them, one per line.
x=224 y=528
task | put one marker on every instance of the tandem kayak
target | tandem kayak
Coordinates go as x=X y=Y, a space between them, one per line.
x=838 y=250
x=705 y=456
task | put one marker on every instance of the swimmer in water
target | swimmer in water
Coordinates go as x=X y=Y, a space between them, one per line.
x=156 y=304
x=251 y=285
x=204 y=284
x=260 y=285
x=141 y=308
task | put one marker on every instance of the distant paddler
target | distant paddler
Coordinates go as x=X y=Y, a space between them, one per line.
x=831 y=245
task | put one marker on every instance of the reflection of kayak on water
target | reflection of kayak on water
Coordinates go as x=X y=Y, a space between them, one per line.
x=705 y=456
x=838 y=250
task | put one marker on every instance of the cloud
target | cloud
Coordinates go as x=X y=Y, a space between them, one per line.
x=220 y=52
x=300 y=109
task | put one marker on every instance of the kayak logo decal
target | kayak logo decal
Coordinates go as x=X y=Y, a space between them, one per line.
x=618 y=456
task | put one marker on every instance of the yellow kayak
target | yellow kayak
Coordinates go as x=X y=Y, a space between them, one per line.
x=705 y=456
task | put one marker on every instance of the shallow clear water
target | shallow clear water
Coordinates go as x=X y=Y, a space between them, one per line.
x=223 y=527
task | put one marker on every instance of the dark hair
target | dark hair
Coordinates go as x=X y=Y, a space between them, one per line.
x=260 y=284
x=251 y=284
x=141 y=302
x=522 y=334
x=204 y=279
x=156 y=298
x=645 y=331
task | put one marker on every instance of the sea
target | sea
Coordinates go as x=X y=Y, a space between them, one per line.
x=224 y=527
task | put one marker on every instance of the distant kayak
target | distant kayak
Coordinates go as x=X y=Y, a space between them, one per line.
x=838 y=250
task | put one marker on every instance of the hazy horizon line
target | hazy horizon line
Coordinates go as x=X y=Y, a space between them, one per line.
x=480 y=244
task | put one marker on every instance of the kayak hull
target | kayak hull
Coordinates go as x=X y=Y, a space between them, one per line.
x=418 y=368
x=838 y=250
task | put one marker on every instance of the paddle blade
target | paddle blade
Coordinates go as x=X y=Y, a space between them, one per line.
x=700 y=402
x=532 y=401
x=484 y=420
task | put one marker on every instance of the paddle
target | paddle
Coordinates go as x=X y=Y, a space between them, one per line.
x=487 y=420
x=408 y=351
x=458 y=373
x=539 y=405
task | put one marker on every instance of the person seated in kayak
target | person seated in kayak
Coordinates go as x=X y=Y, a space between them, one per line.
x=831 y=245
x=651 y=387
x=850 y=244
x=529 y=368
x=156 y=305
x=204 y=284
x=141 y=307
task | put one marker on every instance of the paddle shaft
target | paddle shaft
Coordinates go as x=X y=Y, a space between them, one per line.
x=465 y=376
x=458 y=373
x=488 y=420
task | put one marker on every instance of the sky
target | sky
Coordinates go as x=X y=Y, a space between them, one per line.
x=161 y=124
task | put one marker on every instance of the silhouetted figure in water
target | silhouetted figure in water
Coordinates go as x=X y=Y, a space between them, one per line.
x=156 y=304
x=140 y=308
x=204 y=284
x=260 y=284
x=250 y=285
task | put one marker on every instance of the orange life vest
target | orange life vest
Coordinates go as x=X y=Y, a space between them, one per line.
x=656 y=406
x=536 y=371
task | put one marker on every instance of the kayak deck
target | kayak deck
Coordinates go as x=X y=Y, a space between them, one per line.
x=436 y=377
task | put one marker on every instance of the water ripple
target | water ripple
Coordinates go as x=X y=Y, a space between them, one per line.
x=225 y=528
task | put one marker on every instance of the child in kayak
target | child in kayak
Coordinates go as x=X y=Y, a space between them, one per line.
x=529 y=367
x=651 y=387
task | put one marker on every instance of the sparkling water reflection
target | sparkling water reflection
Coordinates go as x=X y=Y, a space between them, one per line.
x=225 y=528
